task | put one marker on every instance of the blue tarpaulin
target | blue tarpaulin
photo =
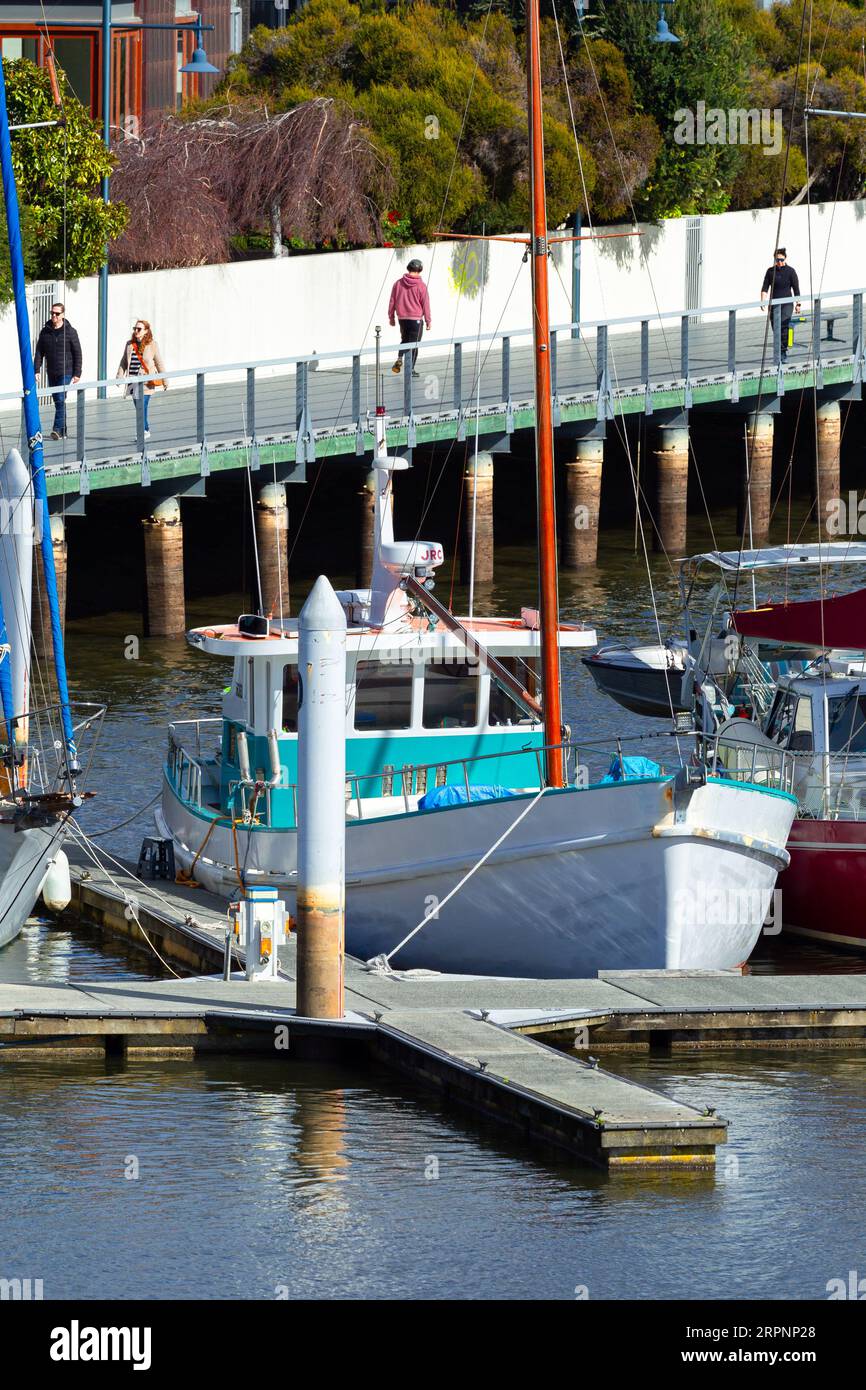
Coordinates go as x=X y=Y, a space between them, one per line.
x=630 y=769
x=456 y=796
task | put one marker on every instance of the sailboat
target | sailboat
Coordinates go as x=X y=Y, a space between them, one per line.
x=40 y=762
x=477 y=839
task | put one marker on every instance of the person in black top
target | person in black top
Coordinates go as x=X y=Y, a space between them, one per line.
x=58 y=347
x=780 y=281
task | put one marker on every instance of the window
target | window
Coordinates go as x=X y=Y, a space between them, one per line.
x=450 y=695
x=781 y=720
x=504 y=709
x=14 y=46
x=187 y=83
x=801 y=738
x=290 y=699
x=383 y=695
x=846 y=718
x=126 y=84
x=74 y=57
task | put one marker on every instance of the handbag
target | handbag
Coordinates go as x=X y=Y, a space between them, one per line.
x=150 y=382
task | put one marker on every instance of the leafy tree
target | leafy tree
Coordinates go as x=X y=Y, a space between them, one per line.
x=65 y=224
x=443 y=99
x=710 y=64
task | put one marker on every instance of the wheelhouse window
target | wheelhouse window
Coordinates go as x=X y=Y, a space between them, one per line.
x=383 y=695
x=846 y=722
x=504 y=709
x=290 y=699
x=780 y=724
x=450 y=695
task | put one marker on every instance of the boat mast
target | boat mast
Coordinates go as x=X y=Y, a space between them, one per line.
x=549 y=599
x=34 y=430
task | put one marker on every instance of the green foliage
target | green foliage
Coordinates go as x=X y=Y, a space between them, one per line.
x=452 y=133
x=58 y=170
x=710 y=64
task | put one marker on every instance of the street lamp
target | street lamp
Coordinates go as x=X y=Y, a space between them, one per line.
x=198 y=63
x=662 y=34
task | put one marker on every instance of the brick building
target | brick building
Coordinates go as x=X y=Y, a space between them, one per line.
x=146 y=77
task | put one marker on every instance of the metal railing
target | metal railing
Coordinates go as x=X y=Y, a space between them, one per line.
x=247 y=405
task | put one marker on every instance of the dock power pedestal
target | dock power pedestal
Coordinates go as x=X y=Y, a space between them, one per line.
x=257 y=925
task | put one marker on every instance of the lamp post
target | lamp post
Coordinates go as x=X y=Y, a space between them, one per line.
x=662 y=34
x=198 y=63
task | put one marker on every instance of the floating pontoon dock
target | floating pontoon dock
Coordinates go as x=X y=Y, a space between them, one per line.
x=473 y=1039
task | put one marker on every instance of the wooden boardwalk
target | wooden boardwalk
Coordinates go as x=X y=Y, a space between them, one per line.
x=474 y=1040
x=204 y=427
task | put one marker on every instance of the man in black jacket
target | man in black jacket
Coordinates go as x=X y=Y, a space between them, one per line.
x=780 y=281
x=59 y=348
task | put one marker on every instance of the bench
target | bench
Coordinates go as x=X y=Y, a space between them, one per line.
x=829 y=318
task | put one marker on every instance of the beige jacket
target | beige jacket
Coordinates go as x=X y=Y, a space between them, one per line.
x=153 y=365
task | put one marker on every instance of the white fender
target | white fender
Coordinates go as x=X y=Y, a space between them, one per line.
x=57 y=885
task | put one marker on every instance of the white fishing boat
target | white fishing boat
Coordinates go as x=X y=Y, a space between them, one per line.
x=479 y=837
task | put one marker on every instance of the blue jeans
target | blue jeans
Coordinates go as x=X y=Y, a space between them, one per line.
x=60 y=402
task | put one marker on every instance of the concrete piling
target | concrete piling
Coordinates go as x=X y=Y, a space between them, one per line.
x=321 y=891
x=756 y=490
x=477 y=498
x=272 y=533
x=827 y=481
x=163 y=560
x=42 y=617
x=583 y=487
x=671 y=456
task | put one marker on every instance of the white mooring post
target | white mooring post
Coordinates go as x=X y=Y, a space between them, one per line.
x=321 y=803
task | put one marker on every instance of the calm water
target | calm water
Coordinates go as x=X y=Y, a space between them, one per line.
x=254 y=1175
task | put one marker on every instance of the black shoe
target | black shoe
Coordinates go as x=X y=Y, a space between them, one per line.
x=58 y=434
x=416 y=375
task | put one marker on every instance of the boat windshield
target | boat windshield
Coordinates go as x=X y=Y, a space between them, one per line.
x=846 y=722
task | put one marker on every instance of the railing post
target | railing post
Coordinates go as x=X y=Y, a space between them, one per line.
x=251 y=418
x=139 y=416
x=684 y=360
x=732 y=354
x=408 y=403
x=602 y=410
x=557 y=418
x=857 y=336
x=199 y=408
x=204 y=468
x=816 y=341
x=645 y=366
x=81 y=443
x=356 y=404
x=776 y=311
x=304 y=445
x=506 y=385
x=458 y=390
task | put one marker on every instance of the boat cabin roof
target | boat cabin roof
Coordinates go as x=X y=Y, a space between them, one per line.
x=502 y=635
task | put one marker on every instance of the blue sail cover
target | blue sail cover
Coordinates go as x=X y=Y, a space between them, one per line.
x=456 y=796
x=631 y=769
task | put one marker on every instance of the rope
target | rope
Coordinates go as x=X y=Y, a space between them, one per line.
x=380 y=961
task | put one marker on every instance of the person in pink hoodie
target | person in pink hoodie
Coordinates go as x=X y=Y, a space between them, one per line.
x=410 y=303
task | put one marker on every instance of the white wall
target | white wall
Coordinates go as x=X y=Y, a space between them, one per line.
x=326 y=303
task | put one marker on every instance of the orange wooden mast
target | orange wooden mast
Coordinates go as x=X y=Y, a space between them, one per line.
x=548 y=598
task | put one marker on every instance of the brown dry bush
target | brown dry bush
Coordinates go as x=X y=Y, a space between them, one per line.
x=191 y=185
